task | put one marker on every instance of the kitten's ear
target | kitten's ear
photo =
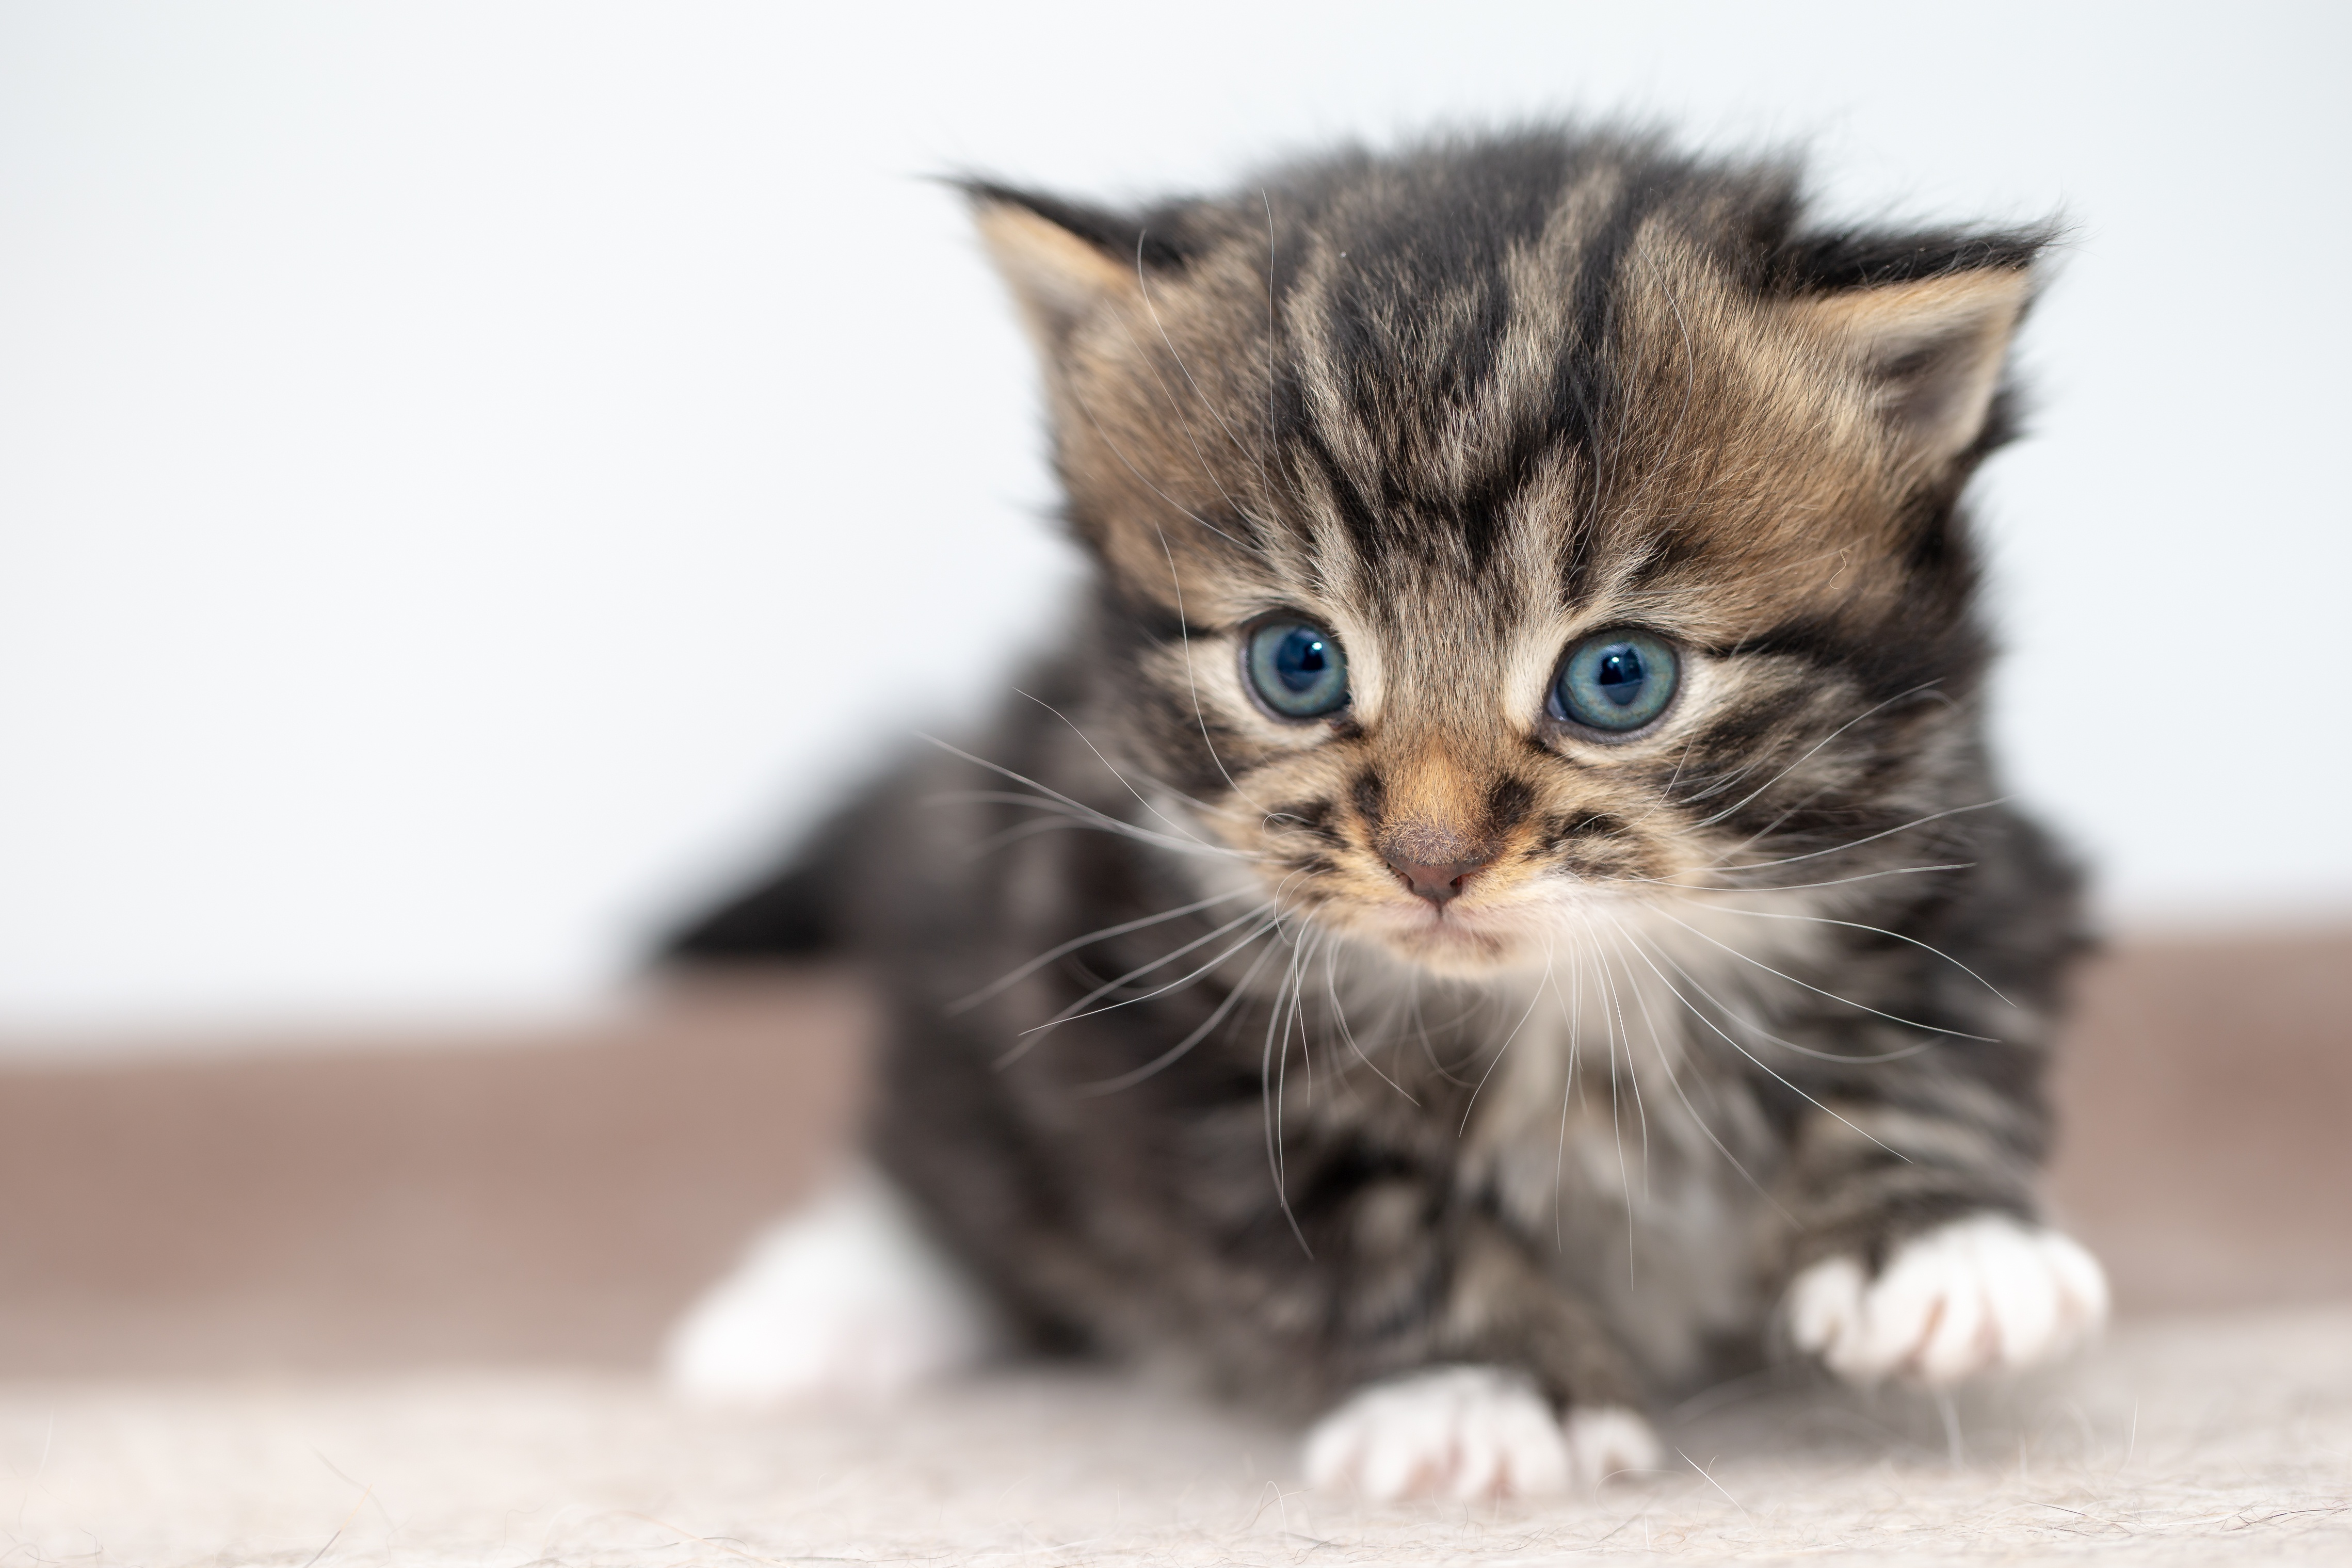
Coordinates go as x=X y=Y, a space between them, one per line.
x=1928 y=352
x=1062 y=261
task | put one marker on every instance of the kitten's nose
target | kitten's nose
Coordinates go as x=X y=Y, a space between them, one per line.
x=1440 y=883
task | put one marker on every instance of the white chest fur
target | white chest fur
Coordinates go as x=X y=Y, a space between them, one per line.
x=1613 y=1132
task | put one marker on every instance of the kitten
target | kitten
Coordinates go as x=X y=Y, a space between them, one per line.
x=1500 y=905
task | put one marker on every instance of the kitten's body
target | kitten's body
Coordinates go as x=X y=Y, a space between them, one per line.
x=1765 y=984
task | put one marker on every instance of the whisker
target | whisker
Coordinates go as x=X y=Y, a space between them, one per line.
x=1268 y=201
x=1858 y=925
x=1633 y=1076
x=1848 y=1001
x=1572 y=1014
x=1808 y=757
x=1751 y=1056
x=1102 y=819
x=1181 y=831
x=1014 y=798
x=1674 y=1078
x=1169 y=1057
x=1339 y=1014
x=1498 y=1058
x=1801 y=886
x=1071 y=1014
x=1143 y=284
x=1141 y=478
x=1270 y=1091
x=1057 y=817
x=1768 y=829
x=1613 y=1016
x=996 y=988
x=1870 y=838
x=1936 y=1038
x=1191 y=684
x=1421 y=1027
x=1719 y=782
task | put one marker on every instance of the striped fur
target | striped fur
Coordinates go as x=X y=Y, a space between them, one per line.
x=1768 y=981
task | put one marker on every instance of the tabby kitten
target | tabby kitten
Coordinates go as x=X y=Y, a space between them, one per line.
x=1500 y=905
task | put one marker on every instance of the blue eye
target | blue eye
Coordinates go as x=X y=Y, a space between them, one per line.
x=1298 y=668
x=1615 y=681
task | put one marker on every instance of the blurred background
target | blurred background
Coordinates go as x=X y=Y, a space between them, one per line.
x=472 y=478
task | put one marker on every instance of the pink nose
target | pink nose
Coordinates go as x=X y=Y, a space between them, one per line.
x=1438 y=883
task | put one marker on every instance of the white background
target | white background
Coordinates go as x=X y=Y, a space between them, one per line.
x=470 y=477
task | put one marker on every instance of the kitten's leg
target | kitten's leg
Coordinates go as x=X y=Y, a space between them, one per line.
x=1487 y=1421
x=1927 y=1268
x=845 y=1299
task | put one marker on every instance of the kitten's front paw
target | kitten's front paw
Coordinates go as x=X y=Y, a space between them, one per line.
x=1980 y=1295
x=846 y=1300
x=1469 y=1432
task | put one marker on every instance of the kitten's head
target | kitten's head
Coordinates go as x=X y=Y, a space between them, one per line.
x=1524 y=523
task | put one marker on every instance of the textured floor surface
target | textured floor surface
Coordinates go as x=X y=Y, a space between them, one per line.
x=2212 y=1440
x=221 y=1269
x=334 y=1202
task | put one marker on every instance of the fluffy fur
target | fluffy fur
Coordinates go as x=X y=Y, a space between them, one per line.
x=1181 y=1064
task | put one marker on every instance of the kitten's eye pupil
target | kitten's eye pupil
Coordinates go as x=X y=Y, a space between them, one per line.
x=1621 y=676
x=1301 y=659
x=1298 y=668
x=1615 y=681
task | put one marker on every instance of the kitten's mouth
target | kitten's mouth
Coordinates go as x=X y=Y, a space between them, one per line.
x=1446 y=938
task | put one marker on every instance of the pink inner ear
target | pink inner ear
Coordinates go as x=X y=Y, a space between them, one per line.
x=1942 y=392
x=1933 y=350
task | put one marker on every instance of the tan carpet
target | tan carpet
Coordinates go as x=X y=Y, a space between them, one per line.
x=234 y=1283
x=2192 y=1441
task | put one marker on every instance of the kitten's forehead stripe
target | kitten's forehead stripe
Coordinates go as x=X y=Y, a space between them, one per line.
x=1449 y=339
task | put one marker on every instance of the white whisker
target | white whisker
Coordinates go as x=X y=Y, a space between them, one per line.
x=1088 y=741
x=1777 y=1076
x=1870 y=838
x=1192 y=683
x=1934 y=1040
x=1270 y=1088
x=1498 y=1058
x=1801 y=886
x=1168 y=1057
x=1847 y=1001
x=996 y=988
x=1071 y=1014
x=1047 y=798
x=1858 y=925
x=1674 y=1078
x=1572 y=1012
x=1143 y=285
x=1339 y=1014
x=1808 y=757
x=1614 y=1017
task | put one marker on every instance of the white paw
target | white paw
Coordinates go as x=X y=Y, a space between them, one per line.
x=1469 y=1432
x=1608 y=1440
x=1980 y=1295
x=846 y=1300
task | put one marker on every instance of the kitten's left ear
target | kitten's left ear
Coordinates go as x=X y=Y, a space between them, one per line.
x=1927 y=352
x=1064 y=262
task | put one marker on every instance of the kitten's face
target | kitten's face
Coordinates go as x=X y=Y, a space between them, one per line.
x=1479 y=576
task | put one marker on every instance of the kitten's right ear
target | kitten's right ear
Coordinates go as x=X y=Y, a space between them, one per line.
x=1063 y=262
x=1928 y=351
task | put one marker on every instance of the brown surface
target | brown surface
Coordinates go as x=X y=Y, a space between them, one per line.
x=558 y=1199
x=537 y=1200
x=2207 y=1090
